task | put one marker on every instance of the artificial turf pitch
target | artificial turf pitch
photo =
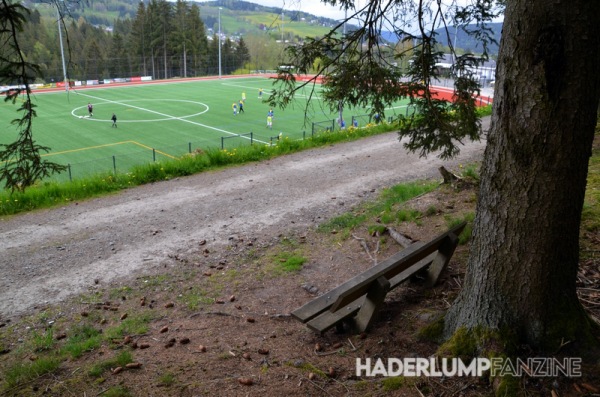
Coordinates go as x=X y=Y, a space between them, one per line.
x=163 y=120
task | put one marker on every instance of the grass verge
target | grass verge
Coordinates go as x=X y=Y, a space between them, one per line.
x=49 y=194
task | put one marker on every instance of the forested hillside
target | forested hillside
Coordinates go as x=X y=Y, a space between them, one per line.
x=119 y=39
x=459 y=38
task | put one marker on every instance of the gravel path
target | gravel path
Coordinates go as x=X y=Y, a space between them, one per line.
x=48 y=255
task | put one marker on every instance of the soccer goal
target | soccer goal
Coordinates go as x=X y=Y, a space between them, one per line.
x=361 y=120
x=237 y=140
x=323 y=126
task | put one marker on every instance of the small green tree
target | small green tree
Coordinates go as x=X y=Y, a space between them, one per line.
x=522 y=269
x=21 y=161
x=358 y=70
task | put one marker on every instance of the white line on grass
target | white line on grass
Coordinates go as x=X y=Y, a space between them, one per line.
x=169 y=116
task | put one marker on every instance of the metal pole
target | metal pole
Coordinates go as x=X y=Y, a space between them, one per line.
x=62 y=51
x=220 y=42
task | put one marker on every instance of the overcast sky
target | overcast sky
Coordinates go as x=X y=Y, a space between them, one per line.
x=314 y=7
x=318 y=8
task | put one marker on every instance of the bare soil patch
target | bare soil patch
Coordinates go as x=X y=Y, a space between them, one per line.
x=199 y=262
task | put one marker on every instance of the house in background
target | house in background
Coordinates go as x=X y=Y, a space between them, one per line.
x=484 y=73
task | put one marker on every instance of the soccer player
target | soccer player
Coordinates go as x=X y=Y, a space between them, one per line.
x=114 y=120
x=234 y=107
x=270 y=113
x=243 y=97
x=241 y=107
x=260 y=92
x=270 y=122
x=90 y=109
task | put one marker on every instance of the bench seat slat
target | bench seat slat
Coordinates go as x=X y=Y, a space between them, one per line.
x=328 y=319
x=408 y=273
x=323 y=302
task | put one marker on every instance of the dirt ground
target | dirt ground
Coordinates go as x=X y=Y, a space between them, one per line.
x=198 y=261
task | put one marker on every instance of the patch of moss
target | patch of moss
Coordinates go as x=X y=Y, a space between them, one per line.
x=167 y=379
x=507 y=386
x=462 y=344
x=117 y=391
x=477 y=342
x=393 y=383
x=361 y=385
x=433 y=332
x=121 y=359
x=308 y=367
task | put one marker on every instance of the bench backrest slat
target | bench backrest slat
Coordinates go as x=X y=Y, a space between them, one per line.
x=358 y=286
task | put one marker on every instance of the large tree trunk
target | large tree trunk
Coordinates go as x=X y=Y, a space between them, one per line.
x=524 y=256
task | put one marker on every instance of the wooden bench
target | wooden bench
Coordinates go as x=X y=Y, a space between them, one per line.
x=357 y=301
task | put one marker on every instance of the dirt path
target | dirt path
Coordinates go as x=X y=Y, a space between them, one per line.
x=51 y=254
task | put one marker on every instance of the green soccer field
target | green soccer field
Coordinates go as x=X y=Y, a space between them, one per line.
x=163 y=120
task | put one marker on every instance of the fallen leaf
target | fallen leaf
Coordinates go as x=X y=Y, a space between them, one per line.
x=246 y=381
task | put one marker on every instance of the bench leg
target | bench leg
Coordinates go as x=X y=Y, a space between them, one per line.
x=441 y=260
x=373 y=302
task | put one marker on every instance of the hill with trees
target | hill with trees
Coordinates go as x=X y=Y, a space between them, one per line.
x=120 y=39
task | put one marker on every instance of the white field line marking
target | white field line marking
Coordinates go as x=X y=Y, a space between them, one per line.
x=169 y=116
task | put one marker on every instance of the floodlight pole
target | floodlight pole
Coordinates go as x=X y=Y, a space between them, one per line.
x=454 y=44
x=282 y=28
x=62 y=51
x=220 y=42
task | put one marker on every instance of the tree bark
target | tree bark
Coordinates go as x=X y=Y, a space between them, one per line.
x=524 y=256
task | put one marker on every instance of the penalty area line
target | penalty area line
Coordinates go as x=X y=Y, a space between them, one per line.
x=108 y=145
